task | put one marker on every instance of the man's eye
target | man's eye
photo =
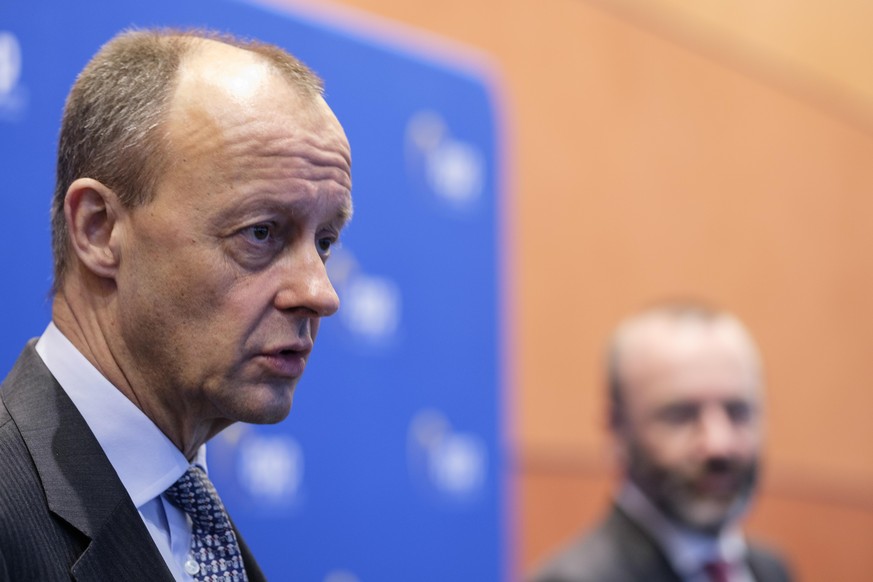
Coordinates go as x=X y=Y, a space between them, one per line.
x=325 y=244
x=739 y=412
x=260 y=232
x=679 y=414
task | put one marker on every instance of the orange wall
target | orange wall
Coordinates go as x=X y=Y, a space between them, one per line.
x=671 y=150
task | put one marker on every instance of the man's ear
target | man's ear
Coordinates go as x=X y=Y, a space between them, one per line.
x=619 y=449
x=92 y=211
x=619 y=440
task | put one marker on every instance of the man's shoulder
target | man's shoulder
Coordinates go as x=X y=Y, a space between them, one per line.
x=28 y=368
x=12 y=446
x=16 y=466
x=591 y=556
x=616 y=550
x=22 y=500
x=19 y=482
x=5 y=417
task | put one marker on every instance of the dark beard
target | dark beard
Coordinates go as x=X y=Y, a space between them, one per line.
x=677 y=496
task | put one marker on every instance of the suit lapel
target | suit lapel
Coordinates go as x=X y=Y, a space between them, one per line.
x=80 y=485
x=644 y=557
x=122 y=550
x=766 y=567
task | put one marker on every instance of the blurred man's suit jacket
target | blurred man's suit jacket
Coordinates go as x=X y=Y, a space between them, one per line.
x=619 y=550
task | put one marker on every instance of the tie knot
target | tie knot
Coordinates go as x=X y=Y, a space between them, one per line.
x=194 y=494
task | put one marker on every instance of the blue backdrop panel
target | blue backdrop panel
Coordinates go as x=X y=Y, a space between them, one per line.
x=391 y=466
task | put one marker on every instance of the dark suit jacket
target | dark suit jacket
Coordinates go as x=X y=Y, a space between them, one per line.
x=619 y=550
x=64 y=513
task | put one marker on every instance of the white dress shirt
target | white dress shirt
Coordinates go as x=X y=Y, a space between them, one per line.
x=146 y=461
x=686 y=550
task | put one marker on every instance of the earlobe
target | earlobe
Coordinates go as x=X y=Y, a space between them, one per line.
x=619 y=446
x=92 y=213
x=620 y=454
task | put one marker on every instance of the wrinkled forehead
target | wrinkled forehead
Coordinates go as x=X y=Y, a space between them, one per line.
x=685 y=355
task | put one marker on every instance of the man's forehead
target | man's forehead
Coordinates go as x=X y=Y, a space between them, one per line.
x=228 y=96
x=664 y=335
x=663 y=352
x=215 y=60
x=219 y=75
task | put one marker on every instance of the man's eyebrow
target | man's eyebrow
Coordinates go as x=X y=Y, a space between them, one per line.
x=344 y=215
x=277 y=205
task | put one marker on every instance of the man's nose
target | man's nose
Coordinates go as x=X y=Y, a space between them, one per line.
x=718 y=434
x=306 y=285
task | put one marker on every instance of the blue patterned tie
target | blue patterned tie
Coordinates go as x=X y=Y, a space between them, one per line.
x=215 y=555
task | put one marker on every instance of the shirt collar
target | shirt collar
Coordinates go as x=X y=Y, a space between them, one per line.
x=146 y=461
x=686 y=550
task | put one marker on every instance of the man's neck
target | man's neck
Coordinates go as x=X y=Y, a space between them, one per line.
x=93 y=331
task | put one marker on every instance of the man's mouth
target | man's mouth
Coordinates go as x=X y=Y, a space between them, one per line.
x=289 y=361
x=720 y=484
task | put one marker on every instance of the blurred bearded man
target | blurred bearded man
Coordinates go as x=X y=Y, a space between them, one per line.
x=686 y=406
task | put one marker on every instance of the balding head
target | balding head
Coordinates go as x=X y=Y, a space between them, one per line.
x=113 y=127
x=676 y=335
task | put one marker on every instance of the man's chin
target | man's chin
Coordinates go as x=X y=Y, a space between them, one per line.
x=705 y=521
x=709 y=516
x=268 y=407
x=271 y=416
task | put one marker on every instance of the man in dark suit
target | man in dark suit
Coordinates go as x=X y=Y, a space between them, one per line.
x=685 y=394
x=202 y=181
